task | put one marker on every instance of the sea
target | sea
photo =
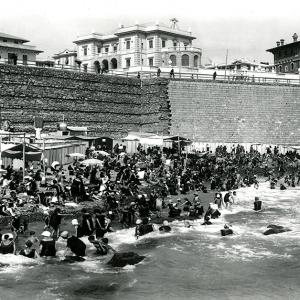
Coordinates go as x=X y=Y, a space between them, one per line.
x=188 y=263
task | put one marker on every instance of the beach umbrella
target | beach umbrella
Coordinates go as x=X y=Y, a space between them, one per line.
x=104 y=153
x=92 y=161
x=55 y=164
x=79 y=155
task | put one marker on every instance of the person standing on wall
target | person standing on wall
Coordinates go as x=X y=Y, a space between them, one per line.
x=158 y=72
x=172 y=74
x=214 y=75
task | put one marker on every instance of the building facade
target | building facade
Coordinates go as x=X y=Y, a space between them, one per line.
x=66 y=58
x=150 y=46
x=14 y=50
x=287 y=56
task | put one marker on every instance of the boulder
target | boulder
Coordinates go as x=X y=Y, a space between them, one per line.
x=125 y=258
x=275 y=229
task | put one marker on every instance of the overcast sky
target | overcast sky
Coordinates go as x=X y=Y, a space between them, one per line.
x=245 y=28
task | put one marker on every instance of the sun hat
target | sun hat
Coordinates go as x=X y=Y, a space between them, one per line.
x=75 y=222
x=138 y=222
x=165 y=223
x=46 y=233
x=7 y=236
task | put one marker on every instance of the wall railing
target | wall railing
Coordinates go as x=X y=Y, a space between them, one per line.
x=151 y=72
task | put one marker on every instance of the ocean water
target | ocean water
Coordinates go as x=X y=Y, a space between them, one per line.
x=189 y=263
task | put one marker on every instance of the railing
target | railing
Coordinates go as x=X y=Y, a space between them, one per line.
x=152 y=73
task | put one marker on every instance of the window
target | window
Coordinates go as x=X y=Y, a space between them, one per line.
x=115 y=48
x=150 y=44
x=67 y=60
x=25 y=58
x=106 y=49
x=142 y=45
x=286 y=69
x=127 y=45
x=185 y=60
x=4 y=41
x=84 y=50
x=127 y=62
x=85 y=68
x=175 y=44
x=196 y=60
x=163 y=43
x=173 y=60
x=292 y=66
x=98 y=49
x=16 y=42
x=150 y=60
x=185 y=45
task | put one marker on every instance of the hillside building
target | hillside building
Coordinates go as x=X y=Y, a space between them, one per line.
x=139 y=46
x=15 y=51
x=287 y=56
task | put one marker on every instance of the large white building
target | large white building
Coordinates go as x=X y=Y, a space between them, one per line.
x=14 y=50
x=139 y=46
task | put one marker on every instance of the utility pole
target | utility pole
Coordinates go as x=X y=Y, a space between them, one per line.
x=226 y=63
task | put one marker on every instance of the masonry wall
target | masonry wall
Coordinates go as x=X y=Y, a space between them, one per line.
x=235 y=112
x=107 y=105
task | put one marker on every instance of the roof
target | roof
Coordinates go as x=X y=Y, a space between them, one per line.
x=282 y=46
x=77 y=128
x=82 y=137
x=66 y=52
x=12 y=37
x=145 y=28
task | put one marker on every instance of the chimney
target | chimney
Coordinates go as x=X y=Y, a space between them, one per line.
x=278 y=43
x=295 y=37
x=281 y=42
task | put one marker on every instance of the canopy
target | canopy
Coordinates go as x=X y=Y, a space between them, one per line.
x=92 y=161
x=32 y=153
x=175 y=138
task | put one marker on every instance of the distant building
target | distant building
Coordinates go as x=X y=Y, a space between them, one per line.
x=44 y=63
x=66 y=58
x=243 y=65
x=287 y=56
x=139 y=46
x=14 y=50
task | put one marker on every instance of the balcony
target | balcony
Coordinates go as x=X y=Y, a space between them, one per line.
x=181 y=49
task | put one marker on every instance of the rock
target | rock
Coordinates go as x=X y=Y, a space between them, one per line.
x=125 y=258
x=275 y=229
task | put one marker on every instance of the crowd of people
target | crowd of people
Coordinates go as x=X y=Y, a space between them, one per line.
x=132 y=190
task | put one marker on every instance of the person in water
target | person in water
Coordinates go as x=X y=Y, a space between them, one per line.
x=28 y=251
x=74 y=244
x=143 y=227
x=87 y=223
x=7 y=245
x=77 y=228
x=207 y=221
x=101 y=245
x=226 y=230
x=165 y=227
x=47 y=245
x=257 y=204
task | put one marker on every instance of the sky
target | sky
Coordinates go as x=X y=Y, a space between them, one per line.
x=245 y=28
